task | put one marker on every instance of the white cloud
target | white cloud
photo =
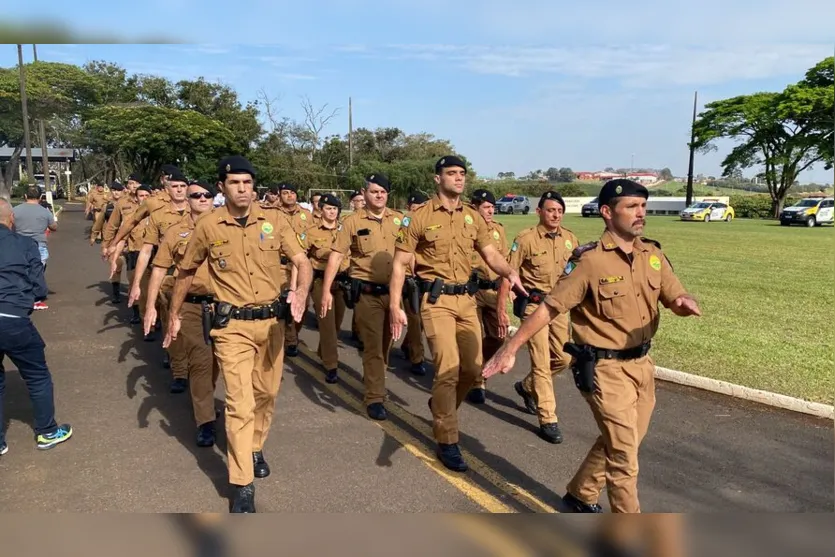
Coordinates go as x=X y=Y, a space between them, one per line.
x=639 y=65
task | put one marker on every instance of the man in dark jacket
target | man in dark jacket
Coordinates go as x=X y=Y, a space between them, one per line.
x=21 y=285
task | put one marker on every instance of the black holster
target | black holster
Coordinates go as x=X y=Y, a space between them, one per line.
x=435 y=291
x=131 y=258
x=583 y=365
x=520 y=304
x=207 y=318
x=413 y=294
x=356 y=290
x=222 y=315
x=472 y=284
x=282 y=310
x=344 y=283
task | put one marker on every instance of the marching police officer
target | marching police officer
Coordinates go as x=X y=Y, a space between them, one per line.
x=130 y=246
x=493 y=318
x=367 y=236
x=118 y=197
x=611 y=288
x=320 y=237
x=193 y=351
x=241 y=243
x=540 y=254
x=437 y=240
x=300 y=218
x=412 y=345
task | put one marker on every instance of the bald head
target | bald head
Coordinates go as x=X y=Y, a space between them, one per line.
x=6 y=214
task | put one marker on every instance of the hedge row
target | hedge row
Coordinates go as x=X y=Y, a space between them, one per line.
x=756 y=206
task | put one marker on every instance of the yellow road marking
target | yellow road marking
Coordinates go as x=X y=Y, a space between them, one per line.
x=519 y=494
x=462 y=483
x=501 y=544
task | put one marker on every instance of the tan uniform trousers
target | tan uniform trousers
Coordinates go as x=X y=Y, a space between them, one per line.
x=374 y=324
x=329 y=325
x=98 y=225
x=291 y=329
x=176 y=350
x=200 y=363
x=414 y=335
x=250 y=355
x=622 y=405
x=547 y=359
x=489 y=319
x=454 y=336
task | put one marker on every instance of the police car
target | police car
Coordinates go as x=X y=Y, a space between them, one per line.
x=590 y=209
x=812 y=211
x=706 y=211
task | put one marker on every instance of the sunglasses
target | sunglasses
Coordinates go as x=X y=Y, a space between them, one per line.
x=198 y=195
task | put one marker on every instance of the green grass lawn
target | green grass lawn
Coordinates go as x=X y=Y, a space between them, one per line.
x=765 y=293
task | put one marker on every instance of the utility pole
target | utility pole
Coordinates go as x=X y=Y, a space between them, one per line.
x=689 y=198
x=47 y=179
x=350 y=136
x=26 y=140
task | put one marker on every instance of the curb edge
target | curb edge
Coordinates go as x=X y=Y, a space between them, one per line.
x=739 y=391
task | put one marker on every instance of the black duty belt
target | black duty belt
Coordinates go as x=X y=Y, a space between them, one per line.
x=628 y=354
x=285 y=260
x=318 y=275
x=373 y=288
x=450 y=289
x=199 y=299
x=171 y=270
x=536 y=296
x=255 y=313
x=484 y=284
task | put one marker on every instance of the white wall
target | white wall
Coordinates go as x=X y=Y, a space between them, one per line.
x=573 y=205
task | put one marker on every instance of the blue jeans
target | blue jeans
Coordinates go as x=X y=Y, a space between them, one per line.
x=21 y=342
x=44 y=251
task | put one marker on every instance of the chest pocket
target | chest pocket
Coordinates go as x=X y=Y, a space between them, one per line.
x=367 y=244
x=612 y=298
x=269 y=250
x=437 y=243
x=220 y=257
x=181 y=249
x=468 y=237
x=321 y=248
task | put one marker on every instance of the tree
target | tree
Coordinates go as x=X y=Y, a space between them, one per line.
x=150 y=136
x=54 y=91
x=571 y=190
x=507 y=175
x=565 y=175
x=665 y=175
x=552 y=174
x=784 y=133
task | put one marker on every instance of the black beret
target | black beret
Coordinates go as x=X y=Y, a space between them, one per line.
x=355 y=194
x=417 y=197
x=621 y=187
x=155 y=186
x=134 y=178
x=447 y=161
x=169 y=168
x=551 y=194
x=116 y=186
x=289 y=187
x=205 y=185
x=480 y=196
x=177 y=176
x=144 y=187
x=380 y=179
x=235 y=164
x=273 y=189
x=329 y=199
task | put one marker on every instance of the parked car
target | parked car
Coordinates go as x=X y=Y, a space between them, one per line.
x=706 y=211
x=591 y=209
x=513 y=204
x=812 y=211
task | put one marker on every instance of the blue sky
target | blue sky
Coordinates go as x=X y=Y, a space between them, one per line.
x=515 y=86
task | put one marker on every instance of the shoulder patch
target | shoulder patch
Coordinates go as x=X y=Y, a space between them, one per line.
x=656 y=243
x=580 y=250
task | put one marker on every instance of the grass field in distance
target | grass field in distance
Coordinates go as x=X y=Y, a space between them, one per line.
x=765 y=293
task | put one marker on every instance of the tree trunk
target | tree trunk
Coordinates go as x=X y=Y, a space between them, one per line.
x=7 y=179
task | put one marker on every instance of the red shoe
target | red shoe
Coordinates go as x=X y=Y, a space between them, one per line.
x=40 y=305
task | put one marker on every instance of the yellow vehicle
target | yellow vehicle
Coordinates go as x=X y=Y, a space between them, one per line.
x=811 y=212
x=706 y=211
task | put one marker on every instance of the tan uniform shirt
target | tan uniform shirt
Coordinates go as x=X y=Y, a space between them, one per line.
x=123 y=208
x=443 y=241
x=151 y=204
x=540 y=256
x=161 y=220
x=319 y=240
x=370 y=244
x=244 y=262
x=299 y=217
x=614 y=301
x=173 y=248
x=98 y=199
x=499 y=240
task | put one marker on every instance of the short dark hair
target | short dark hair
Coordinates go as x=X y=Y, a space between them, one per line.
x=33 y=192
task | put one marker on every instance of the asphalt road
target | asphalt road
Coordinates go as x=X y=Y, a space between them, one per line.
x=133 y=449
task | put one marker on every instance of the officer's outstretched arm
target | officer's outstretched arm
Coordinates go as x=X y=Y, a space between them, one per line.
x=397 y=316
x=504 y=359
x=181 y=287
x=334 y=261
x=304 y=278
x=495 y=261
